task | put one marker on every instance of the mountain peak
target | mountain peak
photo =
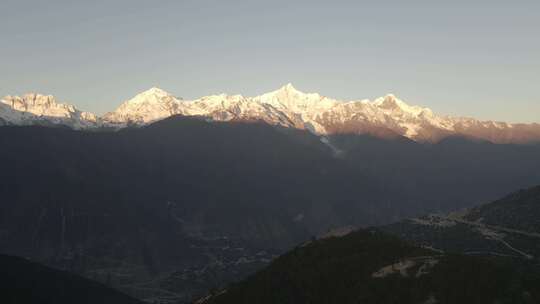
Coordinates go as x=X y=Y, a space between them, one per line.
x=290 y=89
x=152 y=95
x=30 y=100
x=33 y=108
x=390 y=96
x=289 y=86
x=155 y=91
x=391 y=103
x=148 y=106
x=38 y=104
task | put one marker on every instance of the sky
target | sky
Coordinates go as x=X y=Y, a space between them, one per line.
x=468 y=58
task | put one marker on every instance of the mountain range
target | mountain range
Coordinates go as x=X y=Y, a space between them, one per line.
x=387 y=117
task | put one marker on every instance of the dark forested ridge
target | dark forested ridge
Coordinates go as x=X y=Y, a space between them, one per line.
x=519 y=210
x=509 y=227
x=25 y=282
x=369 y=266
x=198 y=204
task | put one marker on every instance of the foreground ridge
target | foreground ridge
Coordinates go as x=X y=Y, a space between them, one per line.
x=386 y=116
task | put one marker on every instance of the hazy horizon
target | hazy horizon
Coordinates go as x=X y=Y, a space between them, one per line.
x=478 y=60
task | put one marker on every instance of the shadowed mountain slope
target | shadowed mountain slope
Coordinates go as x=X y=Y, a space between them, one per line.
x=369 y=266
x=25 y=282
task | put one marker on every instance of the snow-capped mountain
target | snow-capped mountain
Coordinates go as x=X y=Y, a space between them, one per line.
x=36 y=109
x=148 y=106
x=387 y=116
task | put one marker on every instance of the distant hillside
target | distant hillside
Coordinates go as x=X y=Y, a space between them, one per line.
x=23 y=282
x=369 y=266
x=506 y=227
x=519 y=210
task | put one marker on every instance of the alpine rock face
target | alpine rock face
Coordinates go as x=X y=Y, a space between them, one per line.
x=36 y=109
x=386 y=116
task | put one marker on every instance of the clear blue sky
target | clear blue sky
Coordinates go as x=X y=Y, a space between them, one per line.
x=478 y=59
